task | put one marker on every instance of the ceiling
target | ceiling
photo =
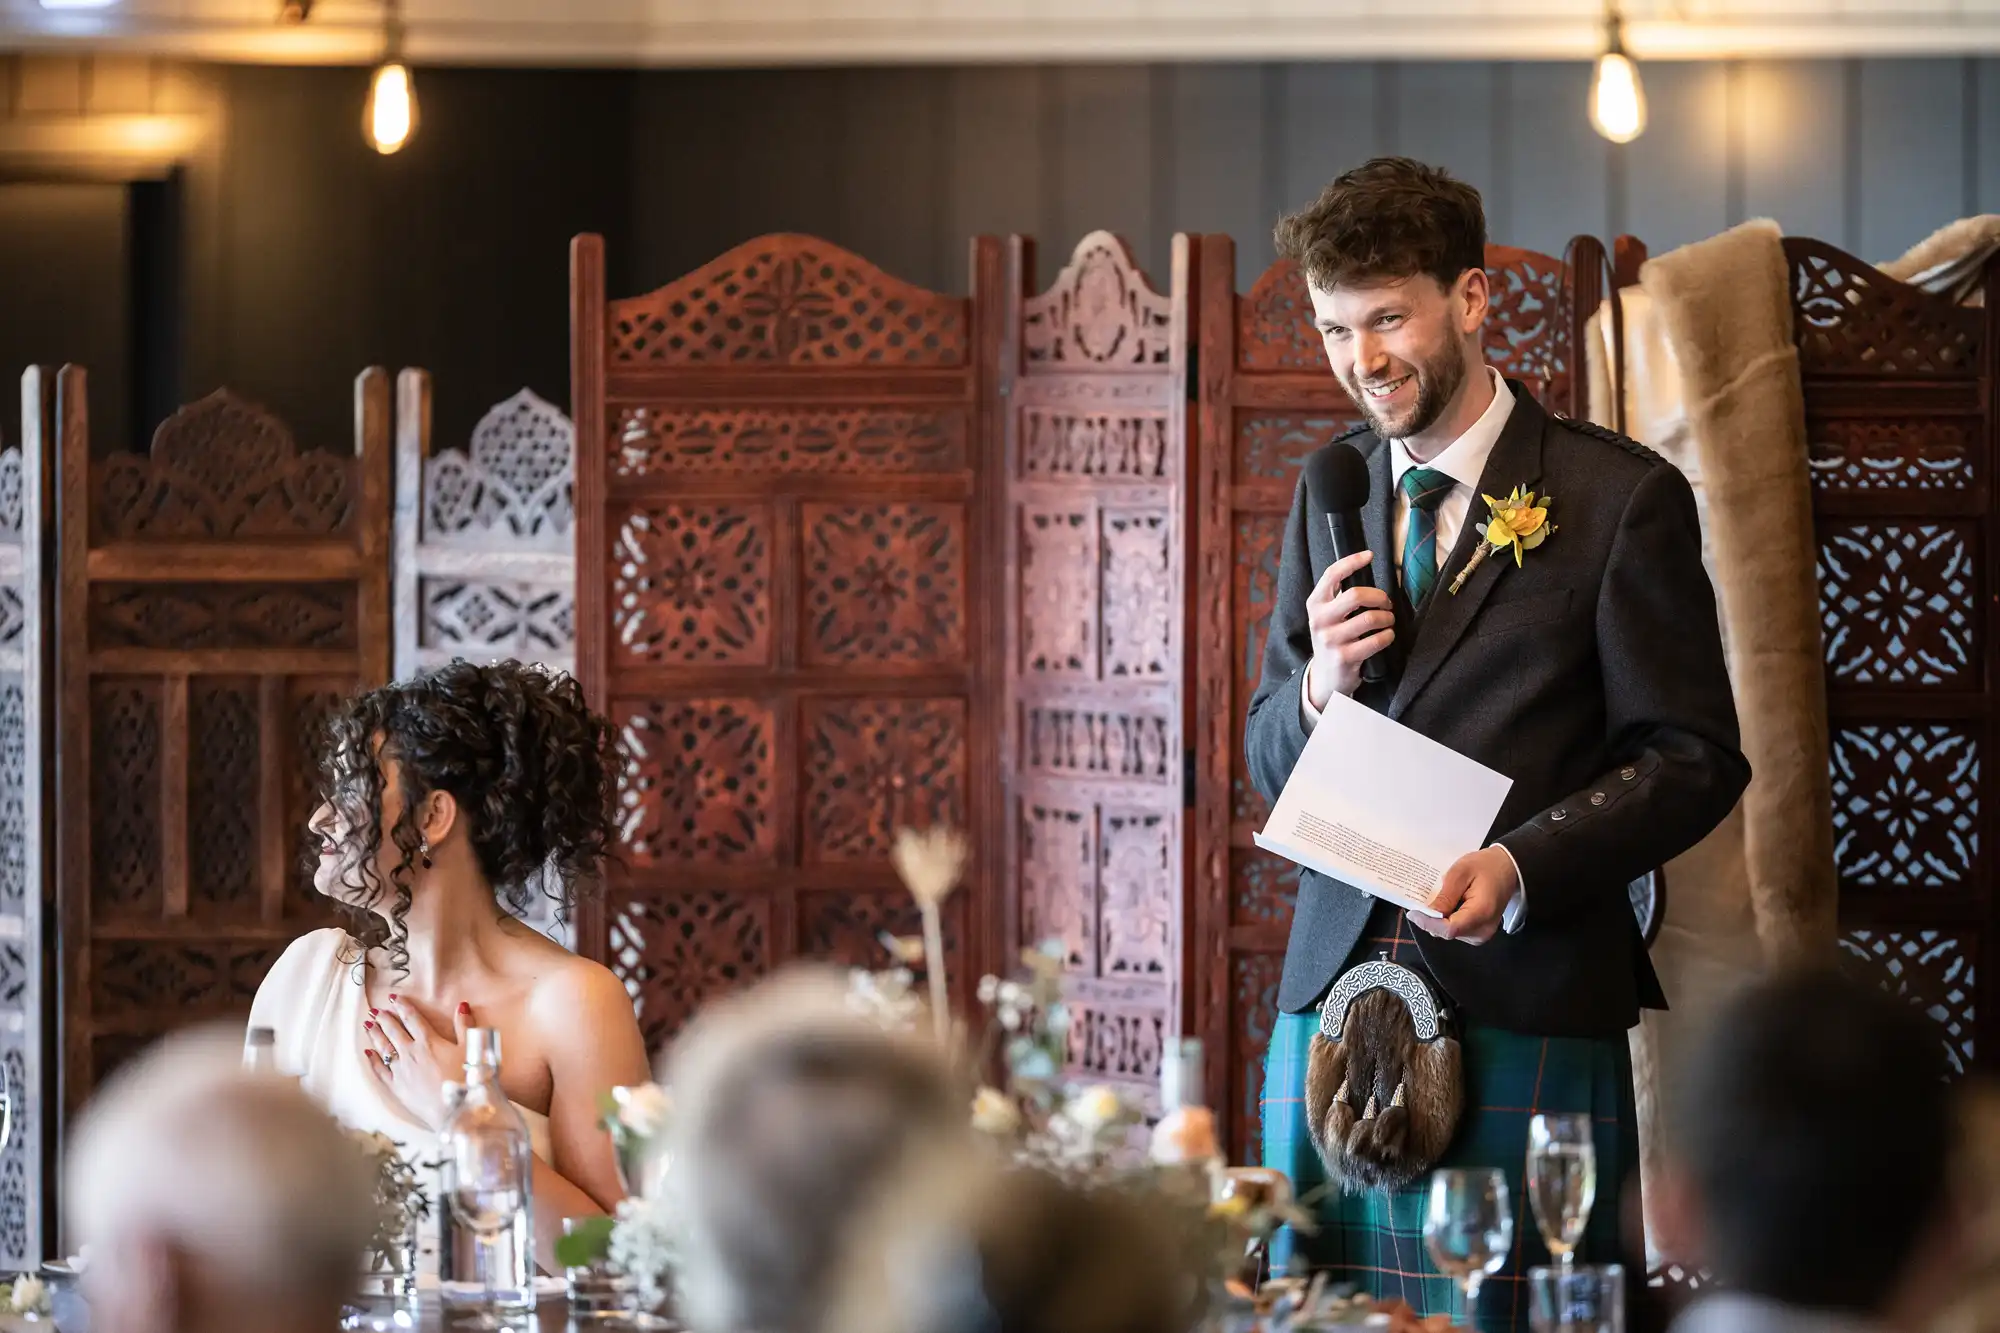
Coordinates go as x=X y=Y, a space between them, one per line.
x=779 y=32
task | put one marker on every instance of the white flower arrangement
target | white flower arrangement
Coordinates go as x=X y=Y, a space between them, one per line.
x=643 y=1247
x=29 y=1298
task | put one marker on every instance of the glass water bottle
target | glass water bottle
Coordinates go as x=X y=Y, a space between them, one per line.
x=489 y=1188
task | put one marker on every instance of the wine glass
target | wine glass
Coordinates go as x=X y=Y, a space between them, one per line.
x=1562 y=1180
x=1469 y=1227
x=487 y=1186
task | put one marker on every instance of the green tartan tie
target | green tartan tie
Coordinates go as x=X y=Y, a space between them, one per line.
x=1425 y=489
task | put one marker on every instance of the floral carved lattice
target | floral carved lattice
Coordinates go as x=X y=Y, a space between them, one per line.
x=1059 y=592
x=1111 y=445
x=692 y=584
x=311 y=707
x=225 y=736
x=1058 y=861
x=125 y=795
x=487 y=619
x=884 y=583
x=677 y=951
x=695 y=781
x=513 y=482
x=1137 y=876
x=13 y=795
x=1870 y=454
x=12 y=496
x=1121 y=1045
x=1140 y=598
x=1258 y=541
x=650 y=440
x=1527 y=332
x=1262 y=889
x=187 y=616
x=1850 y=318
x=222 y=467
x=1272 y=447
x=1072 y=742
x=873 y=766
x=1933 y=971
x=1898 y=601
x=847 y=928
x=1253 y=1008
x=1100 y=312
x=794 y=301
x=1905 y=804
x=20 y=1248
x=161 y=978
x=1274 y=323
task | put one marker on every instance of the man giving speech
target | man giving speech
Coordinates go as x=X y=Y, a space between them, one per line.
x=1579 y=655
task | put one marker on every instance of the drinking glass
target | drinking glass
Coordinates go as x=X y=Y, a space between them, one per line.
x=486 y=1185
x=1562 y=1180
x=1577 y=1298
x=1469 y=1227
x=595 y=1292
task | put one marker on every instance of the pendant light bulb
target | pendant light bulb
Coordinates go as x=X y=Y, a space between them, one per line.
x=390 y=117
x=1617 y=99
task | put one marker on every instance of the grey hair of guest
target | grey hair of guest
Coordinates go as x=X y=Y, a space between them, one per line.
x=213 y=1197
x=795 y=1118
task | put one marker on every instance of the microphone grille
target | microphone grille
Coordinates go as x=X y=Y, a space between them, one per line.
x=1337 y=477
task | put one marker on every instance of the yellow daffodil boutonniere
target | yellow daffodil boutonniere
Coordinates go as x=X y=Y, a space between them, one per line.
x=1520 y=523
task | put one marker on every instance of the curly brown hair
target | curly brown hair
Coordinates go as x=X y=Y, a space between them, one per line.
x=1390 y=217
x=528 y=763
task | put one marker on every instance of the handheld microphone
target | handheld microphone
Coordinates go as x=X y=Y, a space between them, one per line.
x=1337 y=477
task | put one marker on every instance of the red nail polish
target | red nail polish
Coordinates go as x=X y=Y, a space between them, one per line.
x=464 y=1008
x=392 y=995
x=369 y=1026
x=374 y=1013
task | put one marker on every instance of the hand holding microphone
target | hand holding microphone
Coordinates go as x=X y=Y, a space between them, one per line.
x=1348 y=616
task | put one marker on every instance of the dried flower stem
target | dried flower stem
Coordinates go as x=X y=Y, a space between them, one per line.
x=934 y=969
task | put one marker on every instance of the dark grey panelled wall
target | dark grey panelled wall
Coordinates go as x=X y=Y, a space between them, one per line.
x=904 y=164
x=307 y=256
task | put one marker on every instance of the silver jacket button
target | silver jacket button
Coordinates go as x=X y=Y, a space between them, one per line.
x=1558 y=815
x=1628 y=773
x=1597 y=798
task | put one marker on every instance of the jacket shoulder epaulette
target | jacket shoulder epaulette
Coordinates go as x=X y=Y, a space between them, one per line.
x=1350 y=433
x=1609 y=436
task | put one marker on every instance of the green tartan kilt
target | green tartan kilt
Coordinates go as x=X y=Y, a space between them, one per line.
x=1376 y=1239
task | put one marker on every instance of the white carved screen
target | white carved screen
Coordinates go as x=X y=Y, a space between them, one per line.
x=24 y=684
x=485 y=542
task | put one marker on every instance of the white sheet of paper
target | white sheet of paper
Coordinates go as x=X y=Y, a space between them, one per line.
x=1374 y=804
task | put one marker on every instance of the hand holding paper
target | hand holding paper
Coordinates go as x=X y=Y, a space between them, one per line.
x=1376 y=805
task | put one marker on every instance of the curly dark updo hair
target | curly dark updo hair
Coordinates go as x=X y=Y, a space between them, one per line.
x=527 y=762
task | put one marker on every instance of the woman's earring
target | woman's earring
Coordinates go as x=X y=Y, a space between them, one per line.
x=424 y=853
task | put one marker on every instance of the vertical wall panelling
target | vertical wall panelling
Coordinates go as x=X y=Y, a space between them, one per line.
x=1676 y=173
x=1791 y=138
x=1912 y=163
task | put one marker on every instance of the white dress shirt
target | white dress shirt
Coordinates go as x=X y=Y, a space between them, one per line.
x=1463 y=460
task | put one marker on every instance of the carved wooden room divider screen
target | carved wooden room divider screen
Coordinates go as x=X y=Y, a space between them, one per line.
x=1094 y=375
x=1268 y=399
x=27 y=527
x=485 y=565
x=217 y=597
x=780 y=547
x=1902 y=428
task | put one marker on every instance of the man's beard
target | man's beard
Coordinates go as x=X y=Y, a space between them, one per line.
x=1438 y=381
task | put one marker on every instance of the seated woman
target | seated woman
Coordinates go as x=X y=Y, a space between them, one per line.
x=452 y=799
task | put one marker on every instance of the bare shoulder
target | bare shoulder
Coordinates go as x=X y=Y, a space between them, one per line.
x=569 y=986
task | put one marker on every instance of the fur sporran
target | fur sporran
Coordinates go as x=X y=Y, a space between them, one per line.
x=1384 y=1082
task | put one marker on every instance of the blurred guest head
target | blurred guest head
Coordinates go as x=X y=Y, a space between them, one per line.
x=1812 y=1130
x=213 y=1198
x=793 y=1117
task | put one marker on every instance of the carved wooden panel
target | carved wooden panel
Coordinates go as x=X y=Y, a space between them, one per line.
x=780 y=544
x=27 y=806
x=485 y=546
x=1899 y=391
x=1095 y=376
x=218 y=595
x=1268 y=400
